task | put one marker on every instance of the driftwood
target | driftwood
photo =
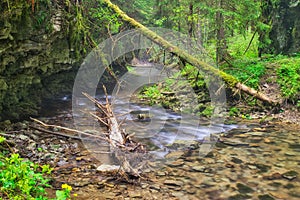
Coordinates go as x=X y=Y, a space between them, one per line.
x=120 y=142
x=230 y=80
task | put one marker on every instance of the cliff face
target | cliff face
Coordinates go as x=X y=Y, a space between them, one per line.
x=38 y=57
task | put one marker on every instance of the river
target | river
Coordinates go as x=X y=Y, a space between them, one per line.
x=250 y=160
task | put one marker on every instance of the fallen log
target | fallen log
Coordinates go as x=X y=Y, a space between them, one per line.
x=120 y=143
x=230 y=80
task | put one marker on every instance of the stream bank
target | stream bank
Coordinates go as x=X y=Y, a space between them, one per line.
x=253 y=161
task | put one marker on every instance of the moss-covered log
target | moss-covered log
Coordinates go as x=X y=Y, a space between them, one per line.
x=230 y=80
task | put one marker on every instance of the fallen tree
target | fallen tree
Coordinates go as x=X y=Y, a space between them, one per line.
x=230 y=80
x=131 y=155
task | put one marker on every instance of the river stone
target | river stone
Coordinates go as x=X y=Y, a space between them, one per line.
x=258 y=134
x=265 y=197
x=173 y=183
x=134 y=194
x=295 y=192
x=160 y=173
x=155 y=187
x=290 y=175
x=233 y=142
x=176 y=163
x=199 y=168
x=82 y=182
x=177 y=194
x=23 y=137
x=107 y=168
x=290 y=153
x=244 y=188
x=174 y=154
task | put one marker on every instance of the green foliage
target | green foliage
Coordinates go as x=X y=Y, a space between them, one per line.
x=21 y=179
x=234 y=111
x=208 y=111
x=152 y=93
x=194 y=77
x=238 y=44
x=102 y=15
x=288 y=77
x=247 y=71
x=65 y=193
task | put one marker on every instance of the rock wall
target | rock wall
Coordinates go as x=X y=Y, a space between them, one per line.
x=37 y=55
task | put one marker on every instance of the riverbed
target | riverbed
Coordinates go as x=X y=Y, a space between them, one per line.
x=250 y=160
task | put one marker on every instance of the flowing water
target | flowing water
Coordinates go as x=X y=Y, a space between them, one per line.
x=249 y=160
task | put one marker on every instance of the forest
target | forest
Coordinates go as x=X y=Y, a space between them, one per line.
x=149 y=99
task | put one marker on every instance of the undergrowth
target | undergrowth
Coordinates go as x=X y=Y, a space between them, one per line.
x=21 y=179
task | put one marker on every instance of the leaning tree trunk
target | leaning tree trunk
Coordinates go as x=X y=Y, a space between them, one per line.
x=230 y=80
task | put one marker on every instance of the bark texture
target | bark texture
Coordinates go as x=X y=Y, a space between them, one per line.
x=284 y=18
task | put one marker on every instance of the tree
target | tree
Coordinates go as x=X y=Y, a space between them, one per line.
x=283 y=19
x=204 y=67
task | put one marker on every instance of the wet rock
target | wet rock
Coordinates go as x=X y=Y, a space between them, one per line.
x=176 y=163
x=82 y=182
x=257 y=133
x=134 y=194
x=208 y=182
x=174 y=155
x=256 y=139
x=155 y=187
x=252 y=167
x=239 y=197
x=295 y=192
x=236 y=160
x=160 y=173
x=290 y=175
x=244 y=188
x=260 y=129
x=198 y=168
x=242 y=136
x=177 y=194
x=262 y=167
x=267 y=141
x=253 y=145
x=107 y=168
x=273 y=176
x=290 y=153
x=233 y=142
x=173 y=183
x=265 y=197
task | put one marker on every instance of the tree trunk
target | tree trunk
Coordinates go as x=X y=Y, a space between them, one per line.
x=284 y=18
x=221 y=41
x=230 y=80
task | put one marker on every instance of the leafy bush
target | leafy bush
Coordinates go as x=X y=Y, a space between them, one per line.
x=288 y=77
x=247 y=71
x=22 y=179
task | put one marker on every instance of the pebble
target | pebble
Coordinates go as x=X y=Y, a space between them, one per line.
x=176 y=163
x=199 y=168
x=233 y=142
x=107 y=168
x=174 y=155
x=155 y=187
x=173 y=182
x=257 y=133
x=290 y=153
x=290 y=175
